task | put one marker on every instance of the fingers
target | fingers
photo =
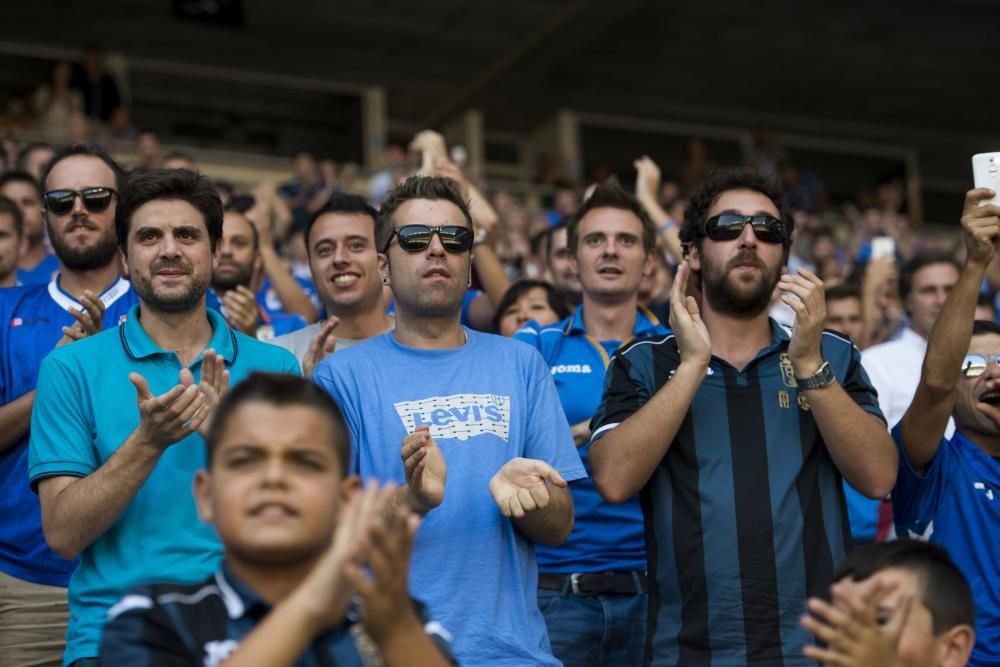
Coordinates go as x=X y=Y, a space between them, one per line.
x=545 y=471
x=976 y=195
x=141 y=387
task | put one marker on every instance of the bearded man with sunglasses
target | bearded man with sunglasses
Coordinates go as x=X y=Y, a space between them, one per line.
x=948 y=489
x=736 y=432
x=469 y=424
x=85 y=296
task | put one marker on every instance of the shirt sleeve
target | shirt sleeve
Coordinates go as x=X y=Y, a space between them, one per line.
x=140 y=632
x=625 y=391
x=859 y=387
x=62 y=428
x=916 y=496
x=548 y=435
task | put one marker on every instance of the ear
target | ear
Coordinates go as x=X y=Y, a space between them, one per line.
x=383 y=268
x=649 y=266
x=124 y=261
x=203 y=494
x=694 y=258
x=956 y=644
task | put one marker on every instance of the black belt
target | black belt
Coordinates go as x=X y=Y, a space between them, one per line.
x=595 y=583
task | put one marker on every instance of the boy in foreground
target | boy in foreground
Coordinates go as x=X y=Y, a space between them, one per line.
x=315 y=568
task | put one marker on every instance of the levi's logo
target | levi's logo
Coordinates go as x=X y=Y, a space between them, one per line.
x=459 y=416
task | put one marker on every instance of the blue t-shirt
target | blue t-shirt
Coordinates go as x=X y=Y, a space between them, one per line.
x=268 y=325
x=956 y=503
x=268 y=299
x=84 y=410
x=486 y=402
x=32 y=318
x=41 y=274
x=606 y=536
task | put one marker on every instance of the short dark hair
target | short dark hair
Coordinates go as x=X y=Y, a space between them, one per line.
x=416 y=187
x=344 y=204
x=842 y=291
x=945 y=593
x=145 y=186
x=85 y=151
x=557 y=302
x=610 y=194
x=280 y=389
x=551 y=232
x=981 y=327
x=21 y=177
x=720 y=181
x=921 y=261
x=7 y=206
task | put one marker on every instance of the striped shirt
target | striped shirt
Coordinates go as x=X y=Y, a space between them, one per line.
x=745 y=514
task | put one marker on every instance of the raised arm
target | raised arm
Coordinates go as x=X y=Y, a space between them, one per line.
x=927 y=417
x=623 y=457
x=647 y=186
x=293 y=298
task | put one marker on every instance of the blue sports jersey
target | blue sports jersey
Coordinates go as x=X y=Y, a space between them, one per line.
x=486 y=402
x=605 y=537
x=268 y=325
x=955 y=502
x=267 y=297
x=42 y=272
x=32 y=318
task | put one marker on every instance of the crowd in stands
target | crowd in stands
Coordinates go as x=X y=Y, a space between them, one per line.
x=709 y=419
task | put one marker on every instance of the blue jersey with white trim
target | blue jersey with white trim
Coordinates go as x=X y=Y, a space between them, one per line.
x=32 y=318
x=606 y=537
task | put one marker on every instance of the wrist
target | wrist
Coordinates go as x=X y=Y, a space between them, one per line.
x=806 y=366
x=693 y=367
x=412 y=499
x=398 y=631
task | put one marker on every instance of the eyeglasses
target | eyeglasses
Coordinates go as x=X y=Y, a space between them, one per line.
x=414 y=238
x=975 y=365
x=728 y=226
x=94 y=200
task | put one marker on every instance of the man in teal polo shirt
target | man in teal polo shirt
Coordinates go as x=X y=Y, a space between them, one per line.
x=592 y=588
x=118 y=417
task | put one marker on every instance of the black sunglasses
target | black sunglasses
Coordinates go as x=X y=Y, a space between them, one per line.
x=728 y=226
x=94 y=200
x=414 y=238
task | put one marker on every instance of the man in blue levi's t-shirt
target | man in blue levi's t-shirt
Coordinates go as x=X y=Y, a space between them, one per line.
x=470 y=423
x=85 y=296
x=948 y=490
x=592 y=588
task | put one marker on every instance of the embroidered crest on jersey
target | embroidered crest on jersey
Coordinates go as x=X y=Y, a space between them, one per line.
x=459 y=416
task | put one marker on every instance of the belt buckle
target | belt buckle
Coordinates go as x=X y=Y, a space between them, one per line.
x=574 y=583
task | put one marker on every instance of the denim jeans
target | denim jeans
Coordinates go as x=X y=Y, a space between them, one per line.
x=596 y=630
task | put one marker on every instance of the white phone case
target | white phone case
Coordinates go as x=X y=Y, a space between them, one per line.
x=986 y=173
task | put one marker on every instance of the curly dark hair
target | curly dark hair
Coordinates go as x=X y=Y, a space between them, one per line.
x=723 y=180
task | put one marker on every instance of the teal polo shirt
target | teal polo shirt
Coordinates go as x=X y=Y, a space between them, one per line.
x=84 y=410
x=605 y=537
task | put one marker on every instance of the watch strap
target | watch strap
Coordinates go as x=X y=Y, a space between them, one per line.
x=823 y=377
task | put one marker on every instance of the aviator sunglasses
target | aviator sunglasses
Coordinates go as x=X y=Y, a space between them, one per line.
x=975 y=365
x=414 y=238
x=94 y=200
x=728 y=226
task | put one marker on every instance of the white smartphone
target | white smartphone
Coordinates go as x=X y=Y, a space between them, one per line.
x=883 y=246
x=986 y=174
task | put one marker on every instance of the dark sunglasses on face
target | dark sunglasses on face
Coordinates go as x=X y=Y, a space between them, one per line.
x=415 y=238
x=94 y=200
x=728 y=226
x=975 y=365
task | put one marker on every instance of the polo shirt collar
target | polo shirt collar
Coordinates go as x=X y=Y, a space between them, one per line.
x=240 y=599
x=645 y=323
x=139 y=345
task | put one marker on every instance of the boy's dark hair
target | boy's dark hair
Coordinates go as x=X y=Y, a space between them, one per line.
x=610 y=194
x=86 y=151
x=919 y=262
x=178 y=184
x=842 y=291
x=416 y=187
x=980 y=327
x=557 y=301
x=8 y=207
x=344 y=204
x=280 y=389
x=22 y=177
x=720 y=181
x=945 y=592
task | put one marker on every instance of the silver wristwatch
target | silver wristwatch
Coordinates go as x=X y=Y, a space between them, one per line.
x=823 y=377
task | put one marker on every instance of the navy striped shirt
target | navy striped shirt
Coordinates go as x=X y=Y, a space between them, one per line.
x=201 y=624
x=745 y=514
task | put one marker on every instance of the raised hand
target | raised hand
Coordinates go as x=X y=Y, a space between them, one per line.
x=521 y=486
x=693 y=340
x=981 y=225
x=806 y=297
x=321 y=346
x=214 y=384
x=647 y=179
x=89 y=319
x=171 y=416
x=241 y=310
x=426 y=471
